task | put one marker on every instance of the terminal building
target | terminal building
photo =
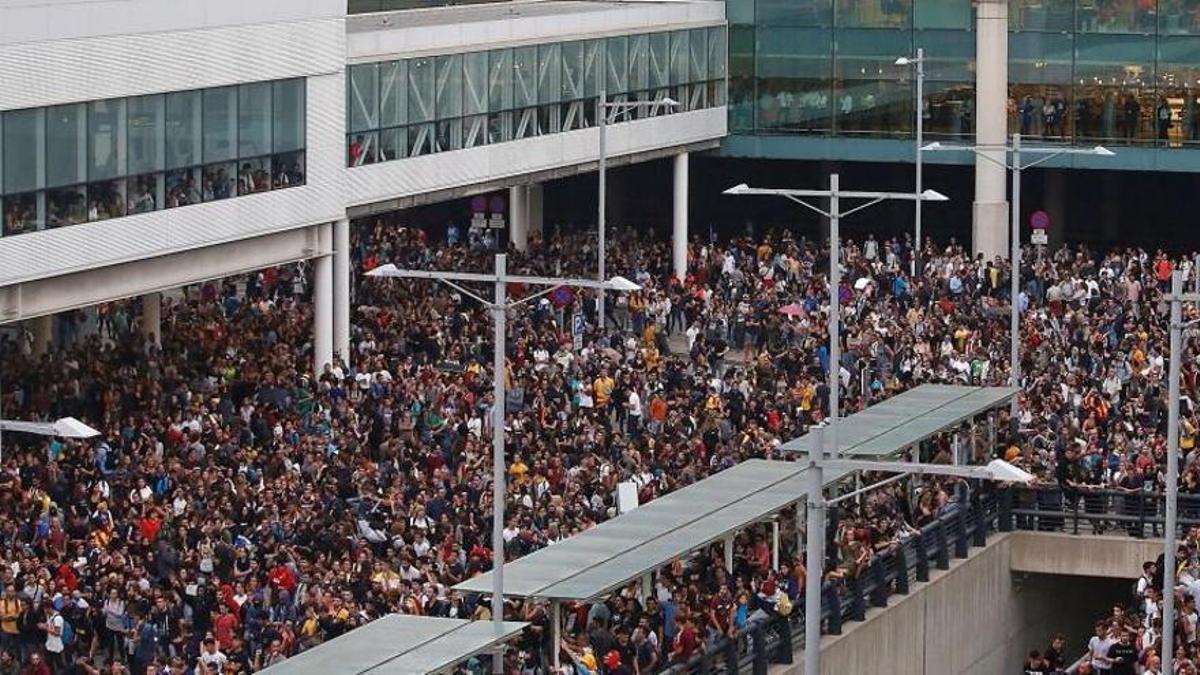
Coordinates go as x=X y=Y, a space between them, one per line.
x=147 y=145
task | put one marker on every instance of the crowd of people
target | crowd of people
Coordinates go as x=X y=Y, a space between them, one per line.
x=240 y=507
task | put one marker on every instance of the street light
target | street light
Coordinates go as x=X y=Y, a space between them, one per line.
x=835 y=214
x=1048 y=153
x=603 y=106
x=919 y=62
x=996 y=470
x=1177 y=298
x=499 y=306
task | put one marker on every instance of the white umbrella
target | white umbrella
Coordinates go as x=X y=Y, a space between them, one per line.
x=861 y=283
x=66 y=427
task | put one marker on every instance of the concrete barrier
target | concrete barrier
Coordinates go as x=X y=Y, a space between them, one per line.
x=1113 y=557
x=980 y=617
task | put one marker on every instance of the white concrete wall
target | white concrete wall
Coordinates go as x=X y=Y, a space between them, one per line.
x=406 y=177
x=421 y=32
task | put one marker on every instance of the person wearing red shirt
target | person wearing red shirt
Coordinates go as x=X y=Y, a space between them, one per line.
x=685 y=642
x=224 y=626
x=281 y=577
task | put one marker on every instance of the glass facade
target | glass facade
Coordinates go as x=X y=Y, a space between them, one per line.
x=81 y=162
x=1118 y=71
x=414 y=107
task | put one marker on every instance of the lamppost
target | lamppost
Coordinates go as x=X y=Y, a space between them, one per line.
x=919 y=62
x=1177 y=298
x=835 y=213
x=1047 y=153
x=996 y=470
x=500 y=279
x=603 y=106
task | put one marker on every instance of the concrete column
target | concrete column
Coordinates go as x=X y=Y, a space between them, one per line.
x=518 y=217
x=679 y=231
x=534 y=208
x=42 y=329
x=152 y=317
x=341 y=289
x=322 y=299
x=990 y=209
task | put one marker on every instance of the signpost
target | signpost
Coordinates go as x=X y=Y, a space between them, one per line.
x=1038 y=221
x=577 y=327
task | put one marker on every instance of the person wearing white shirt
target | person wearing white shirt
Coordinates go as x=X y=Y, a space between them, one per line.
x=633 y=405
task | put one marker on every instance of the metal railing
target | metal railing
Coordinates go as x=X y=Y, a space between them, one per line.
x=771 y=638
x=1051 y=508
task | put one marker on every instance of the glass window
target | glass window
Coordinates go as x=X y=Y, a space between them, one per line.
x=550 y=88
x=1179 y=89
x=1040 y=70
x=792 y=13
x=66 y=206
x=1115 y=16
x=500 y=95
x=254 y=175
x=143 y=193
x=449 y=101
x=742 y=81
x=393 y=93
x=184 y=187
x=639 y=65
x=475 y=83
x=421 y=78
x=288 y=130
x=22 y=213
x=944 y=14
x=949 y=109
x=220 y=124
x=572 y=71
x=1041 y=15
x=525 y=76
x=868 y=96
x=1115 y=87
x=106 y=139
x=254 y=120
x=66 y=145
x=874 y=13
x=183 y=129
x=949 y=54
x=616 y=77
x=793 y=67
x=144 y=138
x=362 y=96
x=1177 y=17
x=679 y=57
x=220 y=181
x=593 y=63
x=716 y=53
x=742 y=11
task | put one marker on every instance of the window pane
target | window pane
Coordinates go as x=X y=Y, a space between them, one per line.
x=793 y=68
x=475 y=83
x=869 y=97
x=716 y=53
x=145 y=135
x=1179 y=16
x=943 y=14
x=183 y=129
x=792 y=13
x=874 y=13
x=66 y=206
x=572 y=71
x=525 y=76
x=220 y=124
x=742 y=11
x=639 y=62
x=393 y=93
x=593 y=66
x=21 y=213
x=362 y=96
x=420 y=90
x=679 y=57
x=66 y=145
x=1115 y=16
x=617 y=69
x=1042 y=15
x=290 y=118
x=1178 y=77
x=449 y=86
x=1114 y=95
x=106 y=139
x=1040 y=57
x=254 y=120
x=949 y=55
x=549 y=74
x=698 y=63
x=500 y=92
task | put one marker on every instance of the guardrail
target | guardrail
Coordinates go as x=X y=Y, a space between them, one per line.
x=1051 y=508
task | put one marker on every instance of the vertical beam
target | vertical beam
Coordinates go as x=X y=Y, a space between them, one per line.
x=991 y=121
x=1014 y=257
x=835 y=309
x=679 y=230
x=152 y=317
x=729 y=554
x=1173 y=368
x=775 y=543
x=341 y=289
x=498 y=462
x=518 y=217
x=534 y=207
x=322 y=301
x=556 y=632
x=43 y=334
x=814 y=559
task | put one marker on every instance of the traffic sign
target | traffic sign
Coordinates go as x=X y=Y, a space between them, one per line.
x=1039 y=238
x=1039 y=220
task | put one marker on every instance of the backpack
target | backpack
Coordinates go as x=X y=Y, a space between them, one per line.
x=68 y=632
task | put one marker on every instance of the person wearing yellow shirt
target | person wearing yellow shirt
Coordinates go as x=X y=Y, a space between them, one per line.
x=602 y=389
x=10 y=612
x=518 y=470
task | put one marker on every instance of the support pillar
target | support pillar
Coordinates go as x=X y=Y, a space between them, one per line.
x=729 y=554
x=534 y=199
x=322 y=300
x=43 y=334
x=518 y=217
x=989 y=233
x=556 y=633
x=341 y=290
x=152 y=317
x=679 y=231
x=775 y=543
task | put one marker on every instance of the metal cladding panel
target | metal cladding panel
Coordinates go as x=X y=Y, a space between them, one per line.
x=461 y=168
x=86 y=69
x=91 y=245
